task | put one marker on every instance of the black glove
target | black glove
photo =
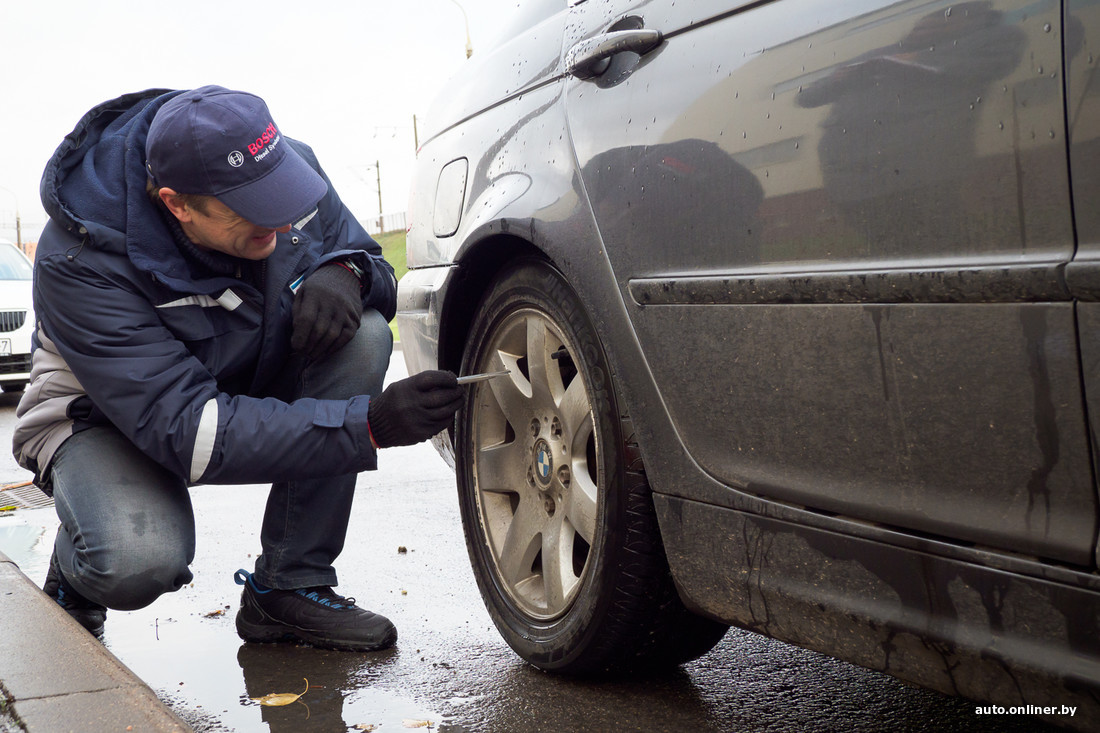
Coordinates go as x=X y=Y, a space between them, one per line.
x=414 y=409
x=327 y=310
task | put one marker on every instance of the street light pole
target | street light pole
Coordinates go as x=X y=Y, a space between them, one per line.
x=18 y=224
x=469 y=46
x=381 y=221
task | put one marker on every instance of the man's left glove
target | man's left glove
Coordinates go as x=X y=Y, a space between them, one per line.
x=327 y=309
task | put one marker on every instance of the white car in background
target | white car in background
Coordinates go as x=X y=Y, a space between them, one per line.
x=16 y=318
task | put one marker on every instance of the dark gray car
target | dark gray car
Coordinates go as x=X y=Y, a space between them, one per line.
x=798 y=301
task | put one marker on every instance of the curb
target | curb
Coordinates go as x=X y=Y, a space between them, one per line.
x=58 y=677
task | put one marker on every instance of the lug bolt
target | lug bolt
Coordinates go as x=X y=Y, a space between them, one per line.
x=563 y=476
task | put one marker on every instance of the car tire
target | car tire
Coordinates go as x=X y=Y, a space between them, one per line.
x=556 y=506
x=13 y=387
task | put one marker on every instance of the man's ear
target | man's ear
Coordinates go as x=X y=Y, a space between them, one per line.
x=172 y=201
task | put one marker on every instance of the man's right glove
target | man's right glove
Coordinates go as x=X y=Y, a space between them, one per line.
x=414 y=409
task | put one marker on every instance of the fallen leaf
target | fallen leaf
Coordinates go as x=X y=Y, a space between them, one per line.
x=416 y=723
x=365 y=726
x=212 y=614
x=281 y=698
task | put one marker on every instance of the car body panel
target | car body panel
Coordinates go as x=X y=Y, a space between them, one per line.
x=802 y=174
x=1082 y=38
x=1082 y=46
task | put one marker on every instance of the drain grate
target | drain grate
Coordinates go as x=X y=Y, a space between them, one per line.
x=24 y=496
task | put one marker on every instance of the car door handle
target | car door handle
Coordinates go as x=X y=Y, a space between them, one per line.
x=590 y=57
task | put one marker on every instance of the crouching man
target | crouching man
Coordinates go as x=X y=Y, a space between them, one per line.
x=210 y=312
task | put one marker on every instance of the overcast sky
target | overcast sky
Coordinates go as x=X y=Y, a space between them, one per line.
x=344 y=76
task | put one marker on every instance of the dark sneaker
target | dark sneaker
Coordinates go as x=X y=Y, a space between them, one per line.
x=317 y=616
x=89 y=615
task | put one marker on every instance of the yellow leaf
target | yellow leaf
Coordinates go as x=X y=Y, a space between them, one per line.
x=281 y=698
x=416 y=723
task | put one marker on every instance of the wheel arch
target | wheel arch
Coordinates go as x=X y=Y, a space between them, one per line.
x=479 y=263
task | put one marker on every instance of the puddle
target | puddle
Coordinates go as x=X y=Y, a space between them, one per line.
x=206 y=674
x=185 y=645
x=26 y=537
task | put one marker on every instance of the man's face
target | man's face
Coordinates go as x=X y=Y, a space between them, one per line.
x=219 y=228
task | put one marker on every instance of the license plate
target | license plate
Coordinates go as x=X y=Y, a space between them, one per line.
x=5 y=347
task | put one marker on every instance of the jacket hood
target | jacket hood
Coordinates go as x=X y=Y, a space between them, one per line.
x=94 y=184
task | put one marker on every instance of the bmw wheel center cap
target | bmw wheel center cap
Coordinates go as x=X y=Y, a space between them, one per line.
x=544 y=462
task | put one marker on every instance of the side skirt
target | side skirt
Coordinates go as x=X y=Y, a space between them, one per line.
x=943 y=623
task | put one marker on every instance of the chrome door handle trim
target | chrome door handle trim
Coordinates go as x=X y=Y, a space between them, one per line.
x=584 y=59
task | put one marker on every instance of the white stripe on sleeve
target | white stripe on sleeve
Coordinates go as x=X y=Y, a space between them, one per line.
x=204 y=440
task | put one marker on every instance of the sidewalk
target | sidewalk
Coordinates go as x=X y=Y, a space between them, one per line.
x=57 y=677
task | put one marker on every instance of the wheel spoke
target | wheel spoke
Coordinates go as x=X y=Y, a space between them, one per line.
x=543 y=370
x=580 y=504
x=575 y=409
x=521 y=545
x=510 y=399
x=557 y=563
x=501 y=467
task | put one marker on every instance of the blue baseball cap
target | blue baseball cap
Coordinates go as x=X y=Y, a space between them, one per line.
x=217 y=142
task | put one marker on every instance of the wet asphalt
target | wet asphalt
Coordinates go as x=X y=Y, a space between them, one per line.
x=405 y=557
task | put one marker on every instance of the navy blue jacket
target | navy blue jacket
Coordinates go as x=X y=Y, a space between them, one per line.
x=133 y=333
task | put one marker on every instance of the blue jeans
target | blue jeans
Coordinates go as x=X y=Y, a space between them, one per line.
x=127 y=531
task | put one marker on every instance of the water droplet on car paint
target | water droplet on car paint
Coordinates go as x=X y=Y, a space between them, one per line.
x=947 y=13
x=1046 y=27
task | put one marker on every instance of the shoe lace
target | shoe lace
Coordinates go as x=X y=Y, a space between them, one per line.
x=326 y=597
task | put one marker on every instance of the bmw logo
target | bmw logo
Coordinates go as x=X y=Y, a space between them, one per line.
x=544 y=462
